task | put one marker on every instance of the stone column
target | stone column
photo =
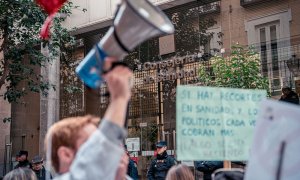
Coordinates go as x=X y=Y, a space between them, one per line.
x=49 y=105
x=5 y=112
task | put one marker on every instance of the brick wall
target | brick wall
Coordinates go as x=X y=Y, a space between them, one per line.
x=233 y=17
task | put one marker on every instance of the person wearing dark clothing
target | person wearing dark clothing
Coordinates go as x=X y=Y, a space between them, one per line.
x=22 y=159
x=228 y=174
x=208 y=167
x=289 y=96
x=160 y=166
x=38 y=168
x=132 y=169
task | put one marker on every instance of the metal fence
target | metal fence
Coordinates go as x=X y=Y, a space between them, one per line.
x=7 y=164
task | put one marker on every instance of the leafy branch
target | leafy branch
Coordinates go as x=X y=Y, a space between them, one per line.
x=20 y=23
x=242 y=69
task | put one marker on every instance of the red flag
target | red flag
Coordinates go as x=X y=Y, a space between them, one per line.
x=51 y=7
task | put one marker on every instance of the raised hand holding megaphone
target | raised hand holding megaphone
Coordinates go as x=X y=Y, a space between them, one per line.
x=135 y=22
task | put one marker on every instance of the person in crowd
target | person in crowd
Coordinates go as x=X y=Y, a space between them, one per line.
x=17 y=157
x=22 y=160
x=20 y=174
x=180 y=172
x=132 y=167
x=208 y=167
x=288 y=95
x=228 y=174
x=80 y=149
x=160 y=166
x=38 y=167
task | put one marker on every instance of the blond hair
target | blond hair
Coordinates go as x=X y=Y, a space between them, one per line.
x=66 y=133
x=180 y=172
x=20 y=174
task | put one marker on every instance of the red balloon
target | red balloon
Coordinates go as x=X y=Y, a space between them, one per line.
x=51 y=7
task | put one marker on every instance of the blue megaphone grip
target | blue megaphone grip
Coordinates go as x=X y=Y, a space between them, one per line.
x=90 y=68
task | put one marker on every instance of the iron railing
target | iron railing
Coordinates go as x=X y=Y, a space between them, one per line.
x=246 y=3
x=213 y=7
x=294 y=65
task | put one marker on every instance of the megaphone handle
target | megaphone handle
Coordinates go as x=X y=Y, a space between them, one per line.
x=113 y=65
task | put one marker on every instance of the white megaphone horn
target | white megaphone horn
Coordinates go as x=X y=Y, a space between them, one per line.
x=135 y=22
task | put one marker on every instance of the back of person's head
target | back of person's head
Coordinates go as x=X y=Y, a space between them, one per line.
x=22 y=152
x=20 y=174
x=180 y=172
x=228 y=174
x=22 y=155
x=65 y=133
x=286 y=88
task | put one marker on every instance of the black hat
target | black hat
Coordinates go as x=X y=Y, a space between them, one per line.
x=22 y=153
x=37 y=159
x=286 y=88
x=161 y=144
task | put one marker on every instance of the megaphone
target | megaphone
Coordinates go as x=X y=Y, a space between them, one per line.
x=134 y=22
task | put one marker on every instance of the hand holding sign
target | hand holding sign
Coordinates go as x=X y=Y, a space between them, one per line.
x=51 y=7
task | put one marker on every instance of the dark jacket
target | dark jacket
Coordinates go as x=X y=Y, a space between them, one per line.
x=132 y=170
x=292 y=97
x=160 y=166
x=41 y=174
x=208 y=167
x=23 y=164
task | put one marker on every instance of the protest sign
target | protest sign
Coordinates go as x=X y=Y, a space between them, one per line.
x=276 y=146
x=133 y=144
x=215 y=123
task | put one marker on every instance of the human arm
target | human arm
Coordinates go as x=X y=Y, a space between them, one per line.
x=118 y=81
x=172 y=162
x=200 y=166
x=99 y=156
x=166 y=164
x=208 y=166
x=151 y=171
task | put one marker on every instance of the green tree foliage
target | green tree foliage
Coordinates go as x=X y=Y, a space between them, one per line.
x=190 y=32
x=188 y=35
x=20 y=23
x=241 y=69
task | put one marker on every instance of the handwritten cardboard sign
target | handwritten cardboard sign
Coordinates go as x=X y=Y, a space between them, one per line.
x=215 y=123
x=276 y=145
